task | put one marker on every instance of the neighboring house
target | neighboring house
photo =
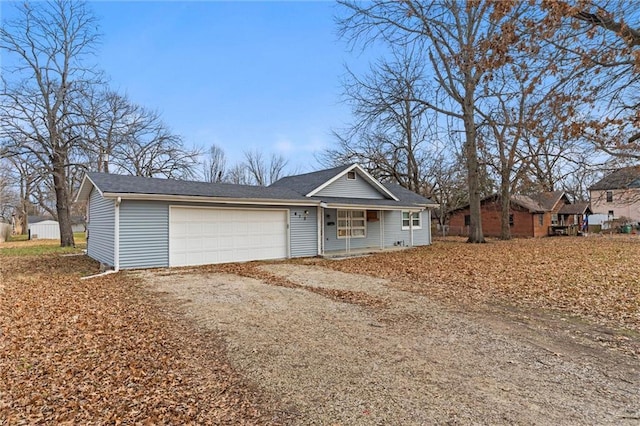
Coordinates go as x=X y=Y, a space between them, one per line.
x=136 y=222
x=538 y=215
x=617 y=195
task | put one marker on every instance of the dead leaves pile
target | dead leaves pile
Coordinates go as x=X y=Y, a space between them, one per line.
x=597 y=278
x=102 y=351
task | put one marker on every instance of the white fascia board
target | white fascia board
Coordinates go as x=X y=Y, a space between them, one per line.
x=221 y=200
x=370 y=178
x=373 y=207
x=85 y=189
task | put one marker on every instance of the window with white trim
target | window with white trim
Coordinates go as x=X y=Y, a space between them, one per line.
x=351 y=175
x=352 y=224
x=417 y=220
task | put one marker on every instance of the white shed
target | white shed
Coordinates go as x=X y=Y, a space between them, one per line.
x=44 y=230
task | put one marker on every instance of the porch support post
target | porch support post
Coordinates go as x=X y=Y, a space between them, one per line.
x=381 y=213
x=411 y=229
x=320 y=220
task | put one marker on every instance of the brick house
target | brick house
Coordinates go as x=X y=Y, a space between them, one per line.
x=617 y=195
x=538 y=215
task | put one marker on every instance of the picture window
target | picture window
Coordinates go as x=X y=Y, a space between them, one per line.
x=352 y=224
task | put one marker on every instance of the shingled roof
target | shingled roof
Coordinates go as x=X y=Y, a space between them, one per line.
x=122 y=184
x=627 y=177
x=305 y=183
x=548 y=199
x=528 y=203
x=536 y=203
x=576 y=208
x=133 y=186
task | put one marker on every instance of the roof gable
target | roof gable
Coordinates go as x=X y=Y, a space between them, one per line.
x=312 y=184
x=549 y=200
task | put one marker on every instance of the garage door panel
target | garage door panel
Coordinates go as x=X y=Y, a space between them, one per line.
x=208 y=235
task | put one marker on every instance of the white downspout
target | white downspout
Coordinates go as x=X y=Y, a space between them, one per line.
x=428 y=211
x=116 y=237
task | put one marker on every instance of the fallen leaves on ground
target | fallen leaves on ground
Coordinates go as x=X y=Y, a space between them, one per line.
x=597 y=278
x=105 y=351
x=252 y=270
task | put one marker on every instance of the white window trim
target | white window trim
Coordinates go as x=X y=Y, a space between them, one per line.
x=419 y=217
x=349 y=226
x=352 y=172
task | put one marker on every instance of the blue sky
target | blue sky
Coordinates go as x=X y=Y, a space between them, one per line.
x=242 y=75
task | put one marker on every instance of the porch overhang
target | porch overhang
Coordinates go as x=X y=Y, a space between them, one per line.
x=367 y=206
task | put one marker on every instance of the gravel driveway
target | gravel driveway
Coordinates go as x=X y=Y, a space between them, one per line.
x=412 y=362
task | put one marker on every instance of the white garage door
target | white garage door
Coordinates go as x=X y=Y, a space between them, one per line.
x=200 y=236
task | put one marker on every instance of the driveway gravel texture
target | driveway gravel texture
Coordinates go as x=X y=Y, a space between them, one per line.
x=336 y=348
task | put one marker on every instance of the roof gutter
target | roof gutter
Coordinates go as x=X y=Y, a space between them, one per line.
x=201 y=199
x=414 y=208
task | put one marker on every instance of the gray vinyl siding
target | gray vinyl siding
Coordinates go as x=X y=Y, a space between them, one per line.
x=333 y=243
x=394 y=233
x=358 y=188
x=144 y=231
x=101 y=227
x=391 y=225
x=303 y=231
x=144 y=234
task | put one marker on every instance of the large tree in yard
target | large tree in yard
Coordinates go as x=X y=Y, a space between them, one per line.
x=464 y=43
x=48 y=48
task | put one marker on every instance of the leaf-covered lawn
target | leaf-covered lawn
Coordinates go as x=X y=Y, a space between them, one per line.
x=594 y=277
x=102 y=351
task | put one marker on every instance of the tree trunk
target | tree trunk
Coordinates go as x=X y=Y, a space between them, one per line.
x=62 y=201
x=505 y=207
x=471 y=150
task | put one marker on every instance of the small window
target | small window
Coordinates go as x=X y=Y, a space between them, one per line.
x=511 y=220
x=416 y=218
x=541 y=219
x=351 y=175
x=554 y=219
x=467 y=220
x=609 y=196
x=610 y=214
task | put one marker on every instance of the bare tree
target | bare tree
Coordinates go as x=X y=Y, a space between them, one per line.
x=214 y=164
x=392 y=132
x=51 y=43
x=464 y=42
x=238 y=174
x=261 y=171
x=109 y=120
x=121 y=136
x=9 y=200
